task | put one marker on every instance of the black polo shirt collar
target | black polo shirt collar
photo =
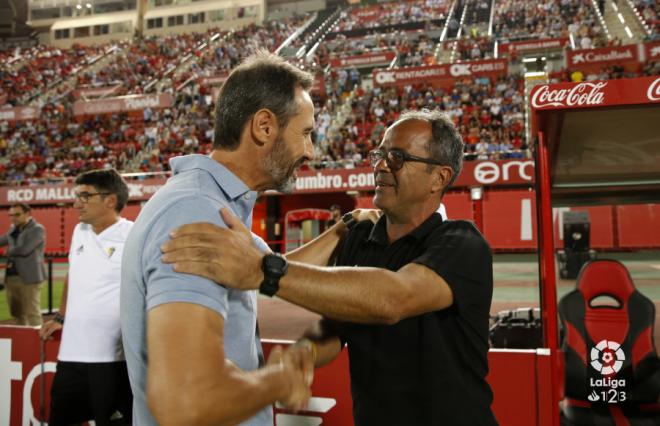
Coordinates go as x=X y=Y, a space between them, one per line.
x=378 y=233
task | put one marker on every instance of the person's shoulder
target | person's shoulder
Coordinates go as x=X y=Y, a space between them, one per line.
x=37 y=225
x=124 y=227
x=362 y=228
x=464 y=229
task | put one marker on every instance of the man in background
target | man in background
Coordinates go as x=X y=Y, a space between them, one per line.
x=91 y=381
x=26 y=240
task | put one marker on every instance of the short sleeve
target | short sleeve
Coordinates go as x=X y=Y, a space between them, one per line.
x=163 y=284
x=74 y=241
x=260 y=243
x=461 y=256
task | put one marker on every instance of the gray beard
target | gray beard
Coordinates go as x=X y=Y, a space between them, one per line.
x=284 y=180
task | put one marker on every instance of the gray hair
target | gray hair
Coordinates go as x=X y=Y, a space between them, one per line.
x=446 y=144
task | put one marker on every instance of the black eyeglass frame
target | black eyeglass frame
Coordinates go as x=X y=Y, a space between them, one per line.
x=375 y=155
x=84 y=197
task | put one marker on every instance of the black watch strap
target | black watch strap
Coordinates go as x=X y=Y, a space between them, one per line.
x=349 y=220
x=274 y=267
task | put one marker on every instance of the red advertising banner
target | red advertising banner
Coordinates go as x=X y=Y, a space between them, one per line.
x=214 y=80
x=602 y=56
x=413 y=75
x=122 y=104
x=63 y=193
x=21 y=376
x=367 y=59
x=652 y=51
x=24 y=113
x=533 y=45
x=96 y=92
x=25 y=384
x=475 y=173
x=630 y=91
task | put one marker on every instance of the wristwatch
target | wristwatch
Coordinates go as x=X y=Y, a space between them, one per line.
x=274 y=267
x=349 y=220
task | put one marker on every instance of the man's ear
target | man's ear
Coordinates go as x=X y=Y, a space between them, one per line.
x=264 y=126
x=440 y=178
x=111 y=201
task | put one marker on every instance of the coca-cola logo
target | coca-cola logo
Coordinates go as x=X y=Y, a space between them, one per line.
x=579 y=95
x=654 y=90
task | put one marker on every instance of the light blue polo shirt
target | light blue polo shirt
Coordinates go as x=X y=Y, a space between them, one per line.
x=199 y=187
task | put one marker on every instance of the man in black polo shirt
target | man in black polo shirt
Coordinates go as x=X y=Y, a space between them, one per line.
x=410 y=294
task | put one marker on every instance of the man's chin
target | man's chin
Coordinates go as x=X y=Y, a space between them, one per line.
x=287 y=186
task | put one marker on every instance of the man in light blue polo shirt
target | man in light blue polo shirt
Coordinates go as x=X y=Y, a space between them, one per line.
x=191 y=346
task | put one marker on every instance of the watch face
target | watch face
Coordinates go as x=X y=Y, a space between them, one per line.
x=274 y=264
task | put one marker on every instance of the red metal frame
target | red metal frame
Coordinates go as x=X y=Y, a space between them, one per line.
x=548 y=278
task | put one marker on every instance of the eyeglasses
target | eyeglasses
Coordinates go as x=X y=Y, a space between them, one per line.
x=85 y=196
x=396 y=158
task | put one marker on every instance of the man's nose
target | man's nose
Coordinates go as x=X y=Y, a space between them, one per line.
x=309 y=149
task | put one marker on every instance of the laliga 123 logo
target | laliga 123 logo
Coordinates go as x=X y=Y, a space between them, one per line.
x=607 y=357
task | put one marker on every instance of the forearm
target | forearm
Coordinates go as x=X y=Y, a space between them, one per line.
x=31 y=243
x=326 y=350
x=362 y=295
x=226 y=398
x=317 y=252
x=65 y=293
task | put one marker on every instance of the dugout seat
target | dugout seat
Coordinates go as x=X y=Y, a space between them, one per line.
x=606 y=337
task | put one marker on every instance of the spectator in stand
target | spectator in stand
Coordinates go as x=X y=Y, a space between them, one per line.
x=25 y=272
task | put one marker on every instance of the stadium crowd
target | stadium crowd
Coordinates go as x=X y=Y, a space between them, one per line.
x=489 y=113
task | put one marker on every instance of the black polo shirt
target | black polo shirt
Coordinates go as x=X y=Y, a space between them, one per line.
x=429 y=369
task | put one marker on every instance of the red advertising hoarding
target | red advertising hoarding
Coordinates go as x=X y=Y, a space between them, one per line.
x=367 y=59
x=96 y=92
x=602 y=57
x=139 y=190
x=414 y=75
x=214 y=80
x=598 y=93
x=25 y=384
x=652 y=51
x=533 y=45
x=122 y=104
x=475 y=173
x=21 y=113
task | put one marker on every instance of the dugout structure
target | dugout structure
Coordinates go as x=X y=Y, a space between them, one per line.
x=596 y=143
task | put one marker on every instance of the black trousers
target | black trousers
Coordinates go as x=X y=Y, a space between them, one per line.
x=84 y=391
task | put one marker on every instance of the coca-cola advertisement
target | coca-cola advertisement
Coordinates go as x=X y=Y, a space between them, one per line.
x=368 y=59
x=412 y=75
x=604 y=56
x=19 y=113
x=122 y=104
x=653 y=92
x=532 y=45
x=630 y=91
